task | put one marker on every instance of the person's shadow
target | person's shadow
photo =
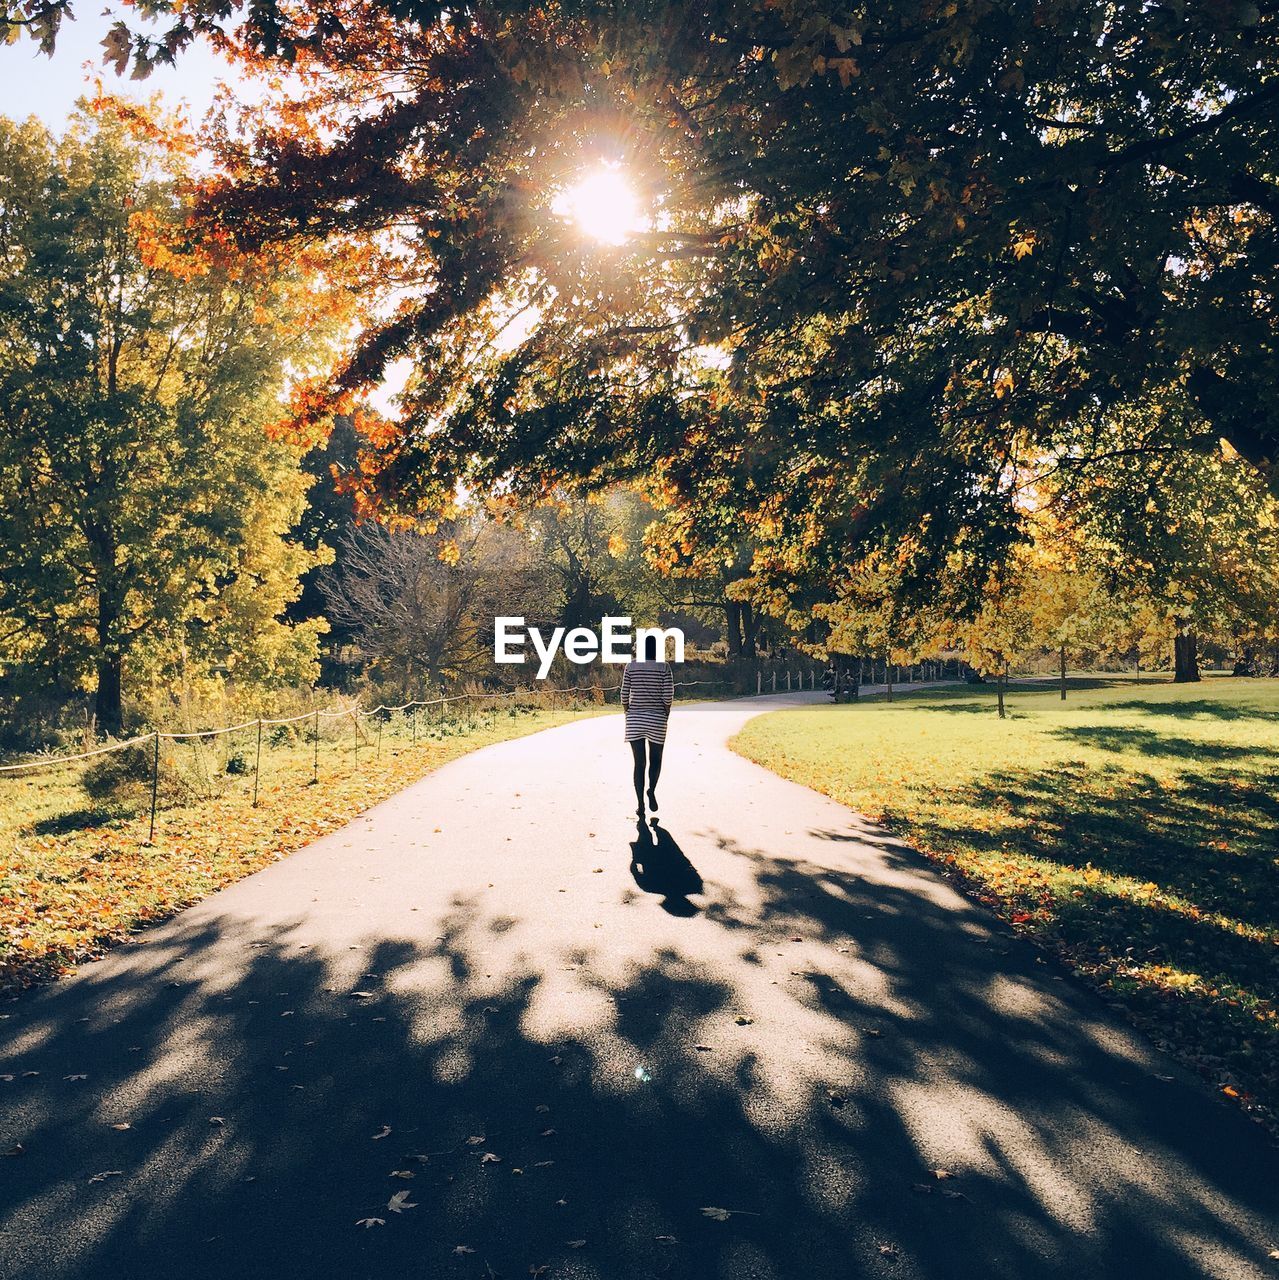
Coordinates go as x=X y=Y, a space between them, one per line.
x=660 y=867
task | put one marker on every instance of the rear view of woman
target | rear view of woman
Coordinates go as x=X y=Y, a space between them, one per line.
x=648 y=689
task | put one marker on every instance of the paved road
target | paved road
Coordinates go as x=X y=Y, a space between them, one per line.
x=776 y=1011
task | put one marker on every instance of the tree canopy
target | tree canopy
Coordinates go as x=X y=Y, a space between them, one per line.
x=900 y=261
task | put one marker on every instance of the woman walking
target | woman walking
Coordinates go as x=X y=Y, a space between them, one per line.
x=648 y=689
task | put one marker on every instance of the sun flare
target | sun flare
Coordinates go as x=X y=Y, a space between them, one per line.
x=602 y=204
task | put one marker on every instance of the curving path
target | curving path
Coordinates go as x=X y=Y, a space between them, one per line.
x=474 y=996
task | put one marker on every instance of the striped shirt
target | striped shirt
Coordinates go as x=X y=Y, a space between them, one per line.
x=648 y=689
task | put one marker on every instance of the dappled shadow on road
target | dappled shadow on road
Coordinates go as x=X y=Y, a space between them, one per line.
x=542 y=1108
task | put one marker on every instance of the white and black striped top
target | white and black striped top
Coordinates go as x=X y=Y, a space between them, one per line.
x=648 y=689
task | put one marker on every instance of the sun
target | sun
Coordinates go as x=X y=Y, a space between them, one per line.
x=602 y=204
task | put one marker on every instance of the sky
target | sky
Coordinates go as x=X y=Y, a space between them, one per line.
x=31 y=83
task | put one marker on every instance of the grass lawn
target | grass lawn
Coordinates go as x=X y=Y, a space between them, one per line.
x=1134 y=828
x=76 y=877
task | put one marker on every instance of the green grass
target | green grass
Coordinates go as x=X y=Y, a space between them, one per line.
x=1134 y=828
x=78 y=876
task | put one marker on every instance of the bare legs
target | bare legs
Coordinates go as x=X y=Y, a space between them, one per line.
x=654 y=772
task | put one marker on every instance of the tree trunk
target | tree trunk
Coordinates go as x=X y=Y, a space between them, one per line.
x=999 y=692
x=733 y=609
x=750 y=625
x=888 y=679
x=1063 y=673
x=1185 y=654
x=108 y=709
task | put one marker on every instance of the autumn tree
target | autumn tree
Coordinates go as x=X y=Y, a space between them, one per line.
x=144 y=516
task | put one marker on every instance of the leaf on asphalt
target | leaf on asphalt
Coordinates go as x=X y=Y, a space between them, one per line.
x=400 y=1201
x=386 y=1133
x=16 y=1150
x=81 y=1076
x=536 y=1271
x=107 y=1173
x=519 y=1171
x=6 y=1077
x=402 y=1173
x=921 y=1188
x=561 y=1203
x=370 y=1222
x=462 y=1248
x=489 y=1158
x=120 y=1128
x=941 y=1174
x=576 y=1244
x=890 y=1251
x=666 y=1239
x=720 y=1215
x=541 y=1108
x=555 y=1061
x=216 y=1120
x=872 y=1031
x=475 y=1140
x=953 y=1195
x=361 y=995
x=743 y=1021
x=26 y=1075
x=547 y=1133
x=543 y=1164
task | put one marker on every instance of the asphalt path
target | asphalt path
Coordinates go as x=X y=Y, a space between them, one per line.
x=492 y=1028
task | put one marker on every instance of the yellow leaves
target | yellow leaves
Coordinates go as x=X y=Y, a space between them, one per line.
x=450 y=552
x=1023 y=243
x=1003 y=383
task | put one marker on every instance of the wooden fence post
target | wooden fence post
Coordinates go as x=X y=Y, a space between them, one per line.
x=155 y=782
x=257 y=765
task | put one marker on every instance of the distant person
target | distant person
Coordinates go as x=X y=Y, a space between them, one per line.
x=648 y=689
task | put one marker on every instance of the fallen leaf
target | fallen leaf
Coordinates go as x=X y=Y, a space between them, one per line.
x=547 y=1133
x=120 y=1128
x=76 y=1077
x=889 y=1251
x=216 y=1120
x=107 y=1173
x=400 y=1201
x=370 y=1222
x=475 y=1140
x=666 y=1239
x=402 y=1173
x=922 y=1188
x=576 y=1244
x=541 y=1108
x=720 y=1215
x=743 y=1021
x=16 y=1150
x=489 y=1158
x=941 y=1174
x=386 y=1133
x=462 y=1248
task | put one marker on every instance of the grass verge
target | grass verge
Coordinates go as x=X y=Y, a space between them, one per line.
x=1133 y=828
x=77 y=875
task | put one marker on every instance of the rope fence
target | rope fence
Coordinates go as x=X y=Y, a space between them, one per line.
x=383 y=713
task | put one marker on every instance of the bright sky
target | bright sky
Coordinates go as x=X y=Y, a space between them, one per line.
x=31 y=83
